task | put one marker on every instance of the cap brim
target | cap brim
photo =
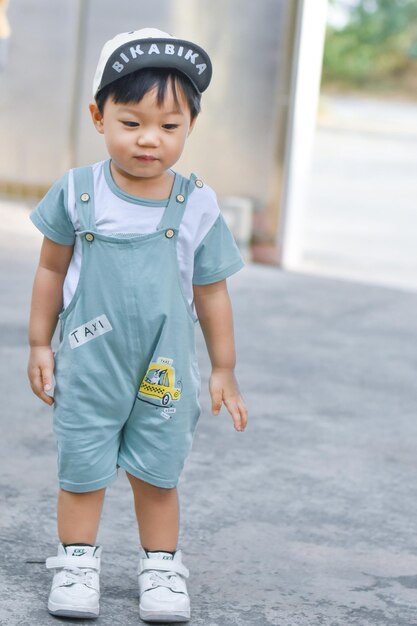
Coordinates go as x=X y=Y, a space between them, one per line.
x=179 y=54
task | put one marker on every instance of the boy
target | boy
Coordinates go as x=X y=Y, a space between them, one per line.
x=129 y=247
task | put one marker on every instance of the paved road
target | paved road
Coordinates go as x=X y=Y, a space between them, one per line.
x=306 y=519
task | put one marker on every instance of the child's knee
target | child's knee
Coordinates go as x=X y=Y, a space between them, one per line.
x=152 y=491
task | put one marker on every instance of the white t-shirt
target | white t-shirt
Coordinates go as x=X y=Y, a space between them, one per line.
x=206 y=249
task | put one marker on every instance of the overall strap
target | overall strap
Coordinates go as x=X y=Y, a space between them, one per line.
x=84 y=197
x=174 y=211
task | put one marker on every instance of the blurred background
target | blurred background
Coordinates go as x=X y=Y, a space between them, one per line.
x=360 y=212
x=308 y=132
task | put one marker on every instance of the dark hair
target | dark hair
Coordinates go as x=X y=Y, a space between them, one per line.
x=134 y=86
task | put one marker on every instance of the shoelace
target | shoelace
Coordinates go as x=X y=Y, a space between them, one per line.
x=163 y=580
x=78 y=575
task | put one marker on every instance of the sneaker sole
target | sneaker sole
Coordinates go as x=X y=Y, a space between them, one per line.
x=161 y=616
x=67 y=611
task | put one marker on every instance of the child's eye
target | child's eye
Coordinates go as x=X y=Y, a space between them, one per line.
x=130 y=124
x=170 y=126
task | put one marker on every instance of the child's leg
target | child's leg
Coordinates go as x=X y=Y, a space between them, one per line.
x=75 y=590
x=163 y=595
x=157 y=512
x=79 y=516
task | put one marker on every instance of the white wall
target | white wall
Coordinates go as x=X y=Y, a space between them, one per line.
x=305 y=89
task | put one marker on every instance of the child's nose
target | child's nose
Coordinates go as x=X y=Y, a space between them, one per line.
x=148 y=137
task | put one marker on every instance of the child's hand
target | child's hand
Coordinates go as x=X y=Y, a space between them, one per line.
x=40 y=372
x=224 y=388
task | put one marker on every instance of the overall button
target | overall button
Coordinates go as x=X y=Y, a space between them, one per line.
x=169 y=233
x=180 y=198
x=85 y=197
x=89 y=237
x=199 y=183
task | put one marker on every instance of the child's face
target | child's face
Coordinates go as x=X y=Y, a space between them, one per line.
x=143 y=139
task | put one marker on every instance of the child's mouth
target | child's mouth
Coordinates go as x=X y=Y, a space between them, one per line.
x=146 y=157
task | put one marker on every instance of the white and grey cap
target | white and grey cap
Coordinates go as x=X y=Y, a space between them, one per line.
x=150 y=47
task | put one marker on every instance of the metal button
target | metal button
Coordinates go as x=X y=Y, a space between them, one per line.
x=85 y=197
x=169 y=233
x=199 y=183
x=89 y=237
x=180 y=198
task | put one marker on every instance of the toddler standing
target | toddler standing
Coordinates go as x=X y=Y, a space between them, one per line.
x=133 y=254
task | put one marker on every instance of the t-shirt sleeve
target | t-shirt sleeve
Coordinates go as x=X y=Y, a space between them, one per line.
x=217 y=256
x=50 y=216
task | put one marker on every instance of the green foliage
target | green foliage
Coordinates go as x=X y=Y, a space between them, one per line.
x=377 y=45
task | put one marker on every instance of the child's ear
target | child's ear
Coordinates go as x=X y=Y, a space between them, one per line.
x=96 y=116
x=192 y=124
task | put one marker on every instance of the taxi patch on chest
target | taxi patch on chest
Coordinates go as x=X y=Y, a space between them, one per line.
x=89 y=331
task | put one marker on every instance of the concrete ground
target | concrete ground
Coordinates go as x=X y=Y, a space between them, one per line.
x=308 y=518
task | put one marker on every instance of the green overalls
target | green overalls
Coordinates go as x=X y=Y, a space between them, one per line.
x=127 y=379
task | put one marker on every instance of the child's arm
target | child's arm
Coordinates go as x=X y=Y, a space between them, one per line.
x=45 y=308
x=214 y=312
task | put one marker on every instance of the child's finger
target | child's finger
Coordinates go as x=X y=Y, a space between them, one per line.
x=243 y=413
x=47 y=378
x=48 y=399
x=216 y=401
x=47 y=375
x=36 y=382
x=233 y=408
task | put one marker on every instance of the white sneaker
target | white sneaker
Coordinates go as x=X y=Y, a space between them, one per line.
x=75 y=590
x=163 y=593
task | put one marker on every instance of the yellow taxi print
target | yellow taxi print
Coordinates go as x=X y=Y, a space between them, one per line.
x=158 y=384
